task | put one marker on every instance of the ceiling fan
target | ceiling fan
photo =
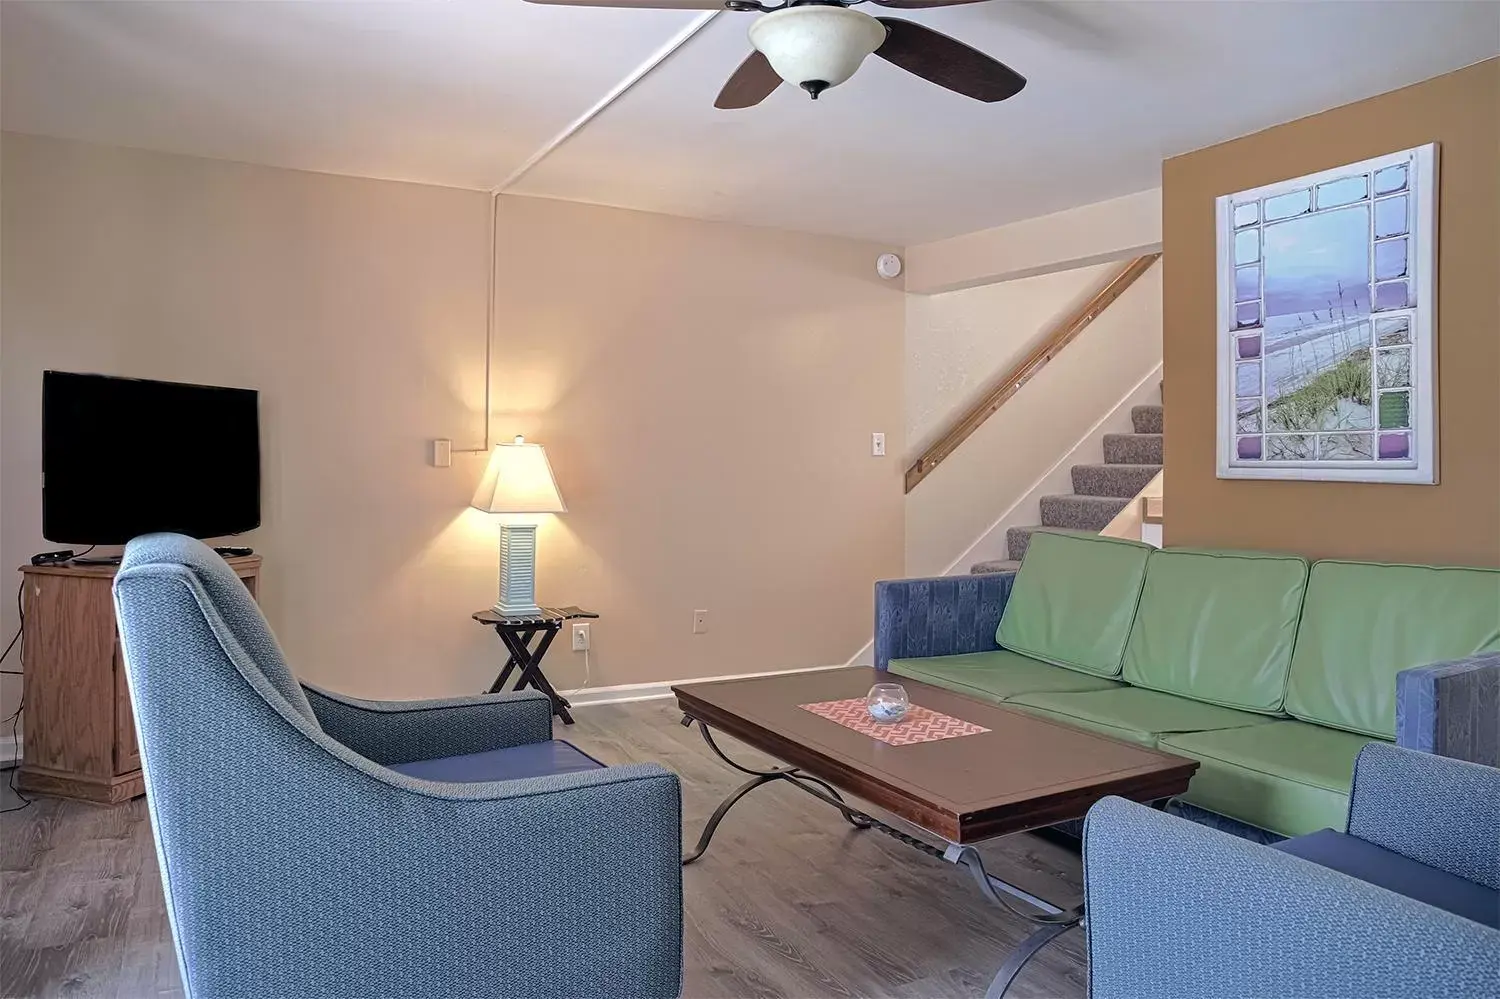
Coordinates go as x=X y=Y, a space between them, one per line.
x=817 y=44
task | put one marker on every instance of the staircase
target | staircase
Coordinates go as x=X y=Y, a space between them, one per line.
x=1099 y=491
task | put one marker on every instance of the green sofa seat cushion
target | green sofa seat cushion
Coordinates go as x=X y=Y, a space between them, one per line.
x=1217 y=627
x=1363 y=623
x=994 y=676
x=1133 y=713
x=1289 y=777
x=1073 y=600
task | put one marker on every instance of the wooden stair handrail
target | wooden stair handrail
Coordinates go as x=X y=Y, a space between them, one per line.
x=1023 y=372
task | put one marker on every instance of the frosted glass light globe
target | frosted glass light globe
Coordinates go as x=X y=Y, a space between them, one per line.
x=816 y=47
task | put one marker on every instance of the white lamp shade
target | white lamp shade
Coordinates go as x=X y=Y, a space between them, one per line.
x=804 y=44
x=518 y=480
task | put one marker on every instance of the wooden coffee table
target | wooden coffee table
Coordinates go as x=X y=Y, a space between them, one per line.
x=1024 y=773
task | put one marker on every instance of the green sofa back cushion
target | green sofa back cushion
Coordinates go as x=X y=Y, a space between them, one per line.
x=1073 y=601
x=1364 y=623
x=1217 y=627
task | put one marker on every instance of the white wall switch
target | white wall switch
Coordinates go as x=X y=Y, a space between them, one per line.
x=877 y=445
x=442 y=453
x=580 y=638
x=700 y=621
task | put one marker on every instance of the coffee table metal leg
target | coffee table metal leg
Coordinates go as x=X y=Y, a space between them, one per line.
x=1053 y=921
x=1023 y=953
x=797 y=778
x=723 y=810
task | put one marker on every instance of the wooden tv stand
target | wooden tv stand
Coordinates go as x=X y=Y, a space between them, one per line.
x=79 y=731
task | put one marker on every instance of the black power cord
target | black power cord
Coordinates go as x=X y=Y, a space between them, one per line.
x=15 y=716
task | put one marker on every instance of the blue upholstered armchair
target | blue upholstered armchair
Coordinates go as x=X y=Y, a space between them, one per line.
x=315 y=845
x=1407 y=903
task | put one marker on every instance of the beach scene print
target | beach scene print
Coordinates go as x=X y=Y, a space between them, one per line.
x=1321 y=325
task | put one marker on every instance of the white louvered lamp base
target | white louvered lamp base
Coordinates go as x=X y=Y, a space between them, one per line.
x=517 y=570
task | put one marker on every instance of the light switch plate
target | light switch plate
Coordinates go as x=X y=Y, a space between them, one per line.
x=442 y=453
x=877 y=445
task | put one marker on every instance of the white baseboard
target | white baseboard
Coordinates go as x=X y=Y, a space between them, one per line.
x=622 y=692
x=10 y=750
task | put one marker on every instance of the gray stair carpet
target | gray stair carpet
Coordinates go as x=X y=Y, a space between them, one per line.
x=1132 y=449
x=1081 y=513
x=1018 y=538
x=1146 y=419
x=1112 y=480
x=994 y=565
x=1099 y=491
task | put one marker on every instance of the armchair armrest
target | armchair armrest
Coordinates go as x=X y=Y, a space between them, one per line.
x=1177 y=910
x=404 y=731
x=939 y=616
x=1452 y=708
x=1439 y=812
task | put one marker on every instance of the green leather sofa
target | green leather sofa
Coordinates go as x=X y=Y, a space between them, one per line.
x=1271 y=672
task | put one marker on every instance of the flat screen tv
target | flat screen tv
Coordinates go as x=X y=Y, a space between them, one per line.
x=125 y=456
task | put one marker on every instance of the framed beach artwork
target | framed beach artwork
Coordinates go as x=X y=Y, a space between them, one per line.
x=1326 y=288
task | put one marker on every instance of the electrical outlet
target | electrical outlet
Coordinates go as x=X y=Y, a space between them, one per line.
x=877 y=445
x=700 y=621
x=580 y=638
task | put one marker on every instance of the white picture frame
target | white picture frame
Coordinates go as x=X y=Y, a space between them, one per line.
x=1290 y=351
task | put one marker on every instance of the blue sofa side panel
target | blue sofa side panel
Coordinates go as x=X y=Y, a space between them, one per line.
x=939 y=616
x=1452 y=708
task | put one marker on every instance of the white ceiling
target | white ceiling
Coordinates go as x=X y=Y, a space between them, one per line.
x=463 y=92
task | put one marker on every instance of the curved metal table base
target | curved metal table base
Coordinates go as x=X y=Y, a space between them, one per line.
x=761 y=777
x=1053 y=922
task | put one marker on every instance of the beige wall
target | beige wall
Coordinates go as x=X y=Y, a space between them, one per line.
x=958 y=344
x=706 y=393
x=1456 y=521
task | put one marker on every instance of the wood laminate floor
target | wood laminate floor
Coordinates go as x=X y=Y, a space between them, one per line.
x=789 y=901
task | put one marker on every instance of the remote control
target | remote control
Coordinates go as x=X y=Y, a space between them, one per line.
x=52 y=558
x=234 y=551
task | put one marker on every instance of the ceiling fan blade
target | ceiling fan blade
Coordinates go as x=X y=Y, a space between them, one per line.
x=921 y=4
x=659 y=4
x=750 y=84
x=947 y=62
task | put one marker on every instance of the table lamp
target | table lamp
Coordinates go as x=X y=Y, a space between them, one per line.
x=518 y=480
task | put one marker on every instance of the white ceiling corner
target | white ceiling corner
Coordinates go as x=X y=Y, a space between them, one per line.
x=466 y=93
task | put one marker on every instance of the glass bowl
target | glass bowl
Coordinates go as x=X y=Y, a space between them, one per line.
x=887 y=703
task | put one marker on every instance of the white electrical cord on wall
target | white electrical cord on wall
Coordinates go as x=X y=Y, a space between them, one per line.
x=587 y=676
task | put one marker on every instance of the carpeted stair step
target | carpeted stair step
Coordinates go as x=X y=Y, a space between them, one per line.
x=1132 y=449
x=994 y=565
x=1081 y=513
x=1146 y=419
x=1112 y=480
x=1017 y=539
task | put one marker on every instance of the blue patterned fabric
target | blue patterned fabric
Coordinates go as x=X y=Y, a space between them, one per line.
x=1440 y=812
x=536 y=759
x=233 y=609
x=1452 y=708
x=941 y=616
x=1179 y=911
x=1364 y=860
x=391 y=732
x=295 y=866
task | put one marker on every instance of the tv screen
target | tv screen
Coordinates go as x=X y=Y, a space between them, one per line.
x=124 y=456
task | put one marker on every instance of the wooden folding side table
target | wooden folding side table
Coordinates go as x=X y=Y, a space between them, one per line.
x=518 y=633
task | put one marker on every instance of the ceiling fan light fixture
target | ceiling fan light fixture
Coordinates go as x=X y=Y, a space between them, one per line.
x=816 y=46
